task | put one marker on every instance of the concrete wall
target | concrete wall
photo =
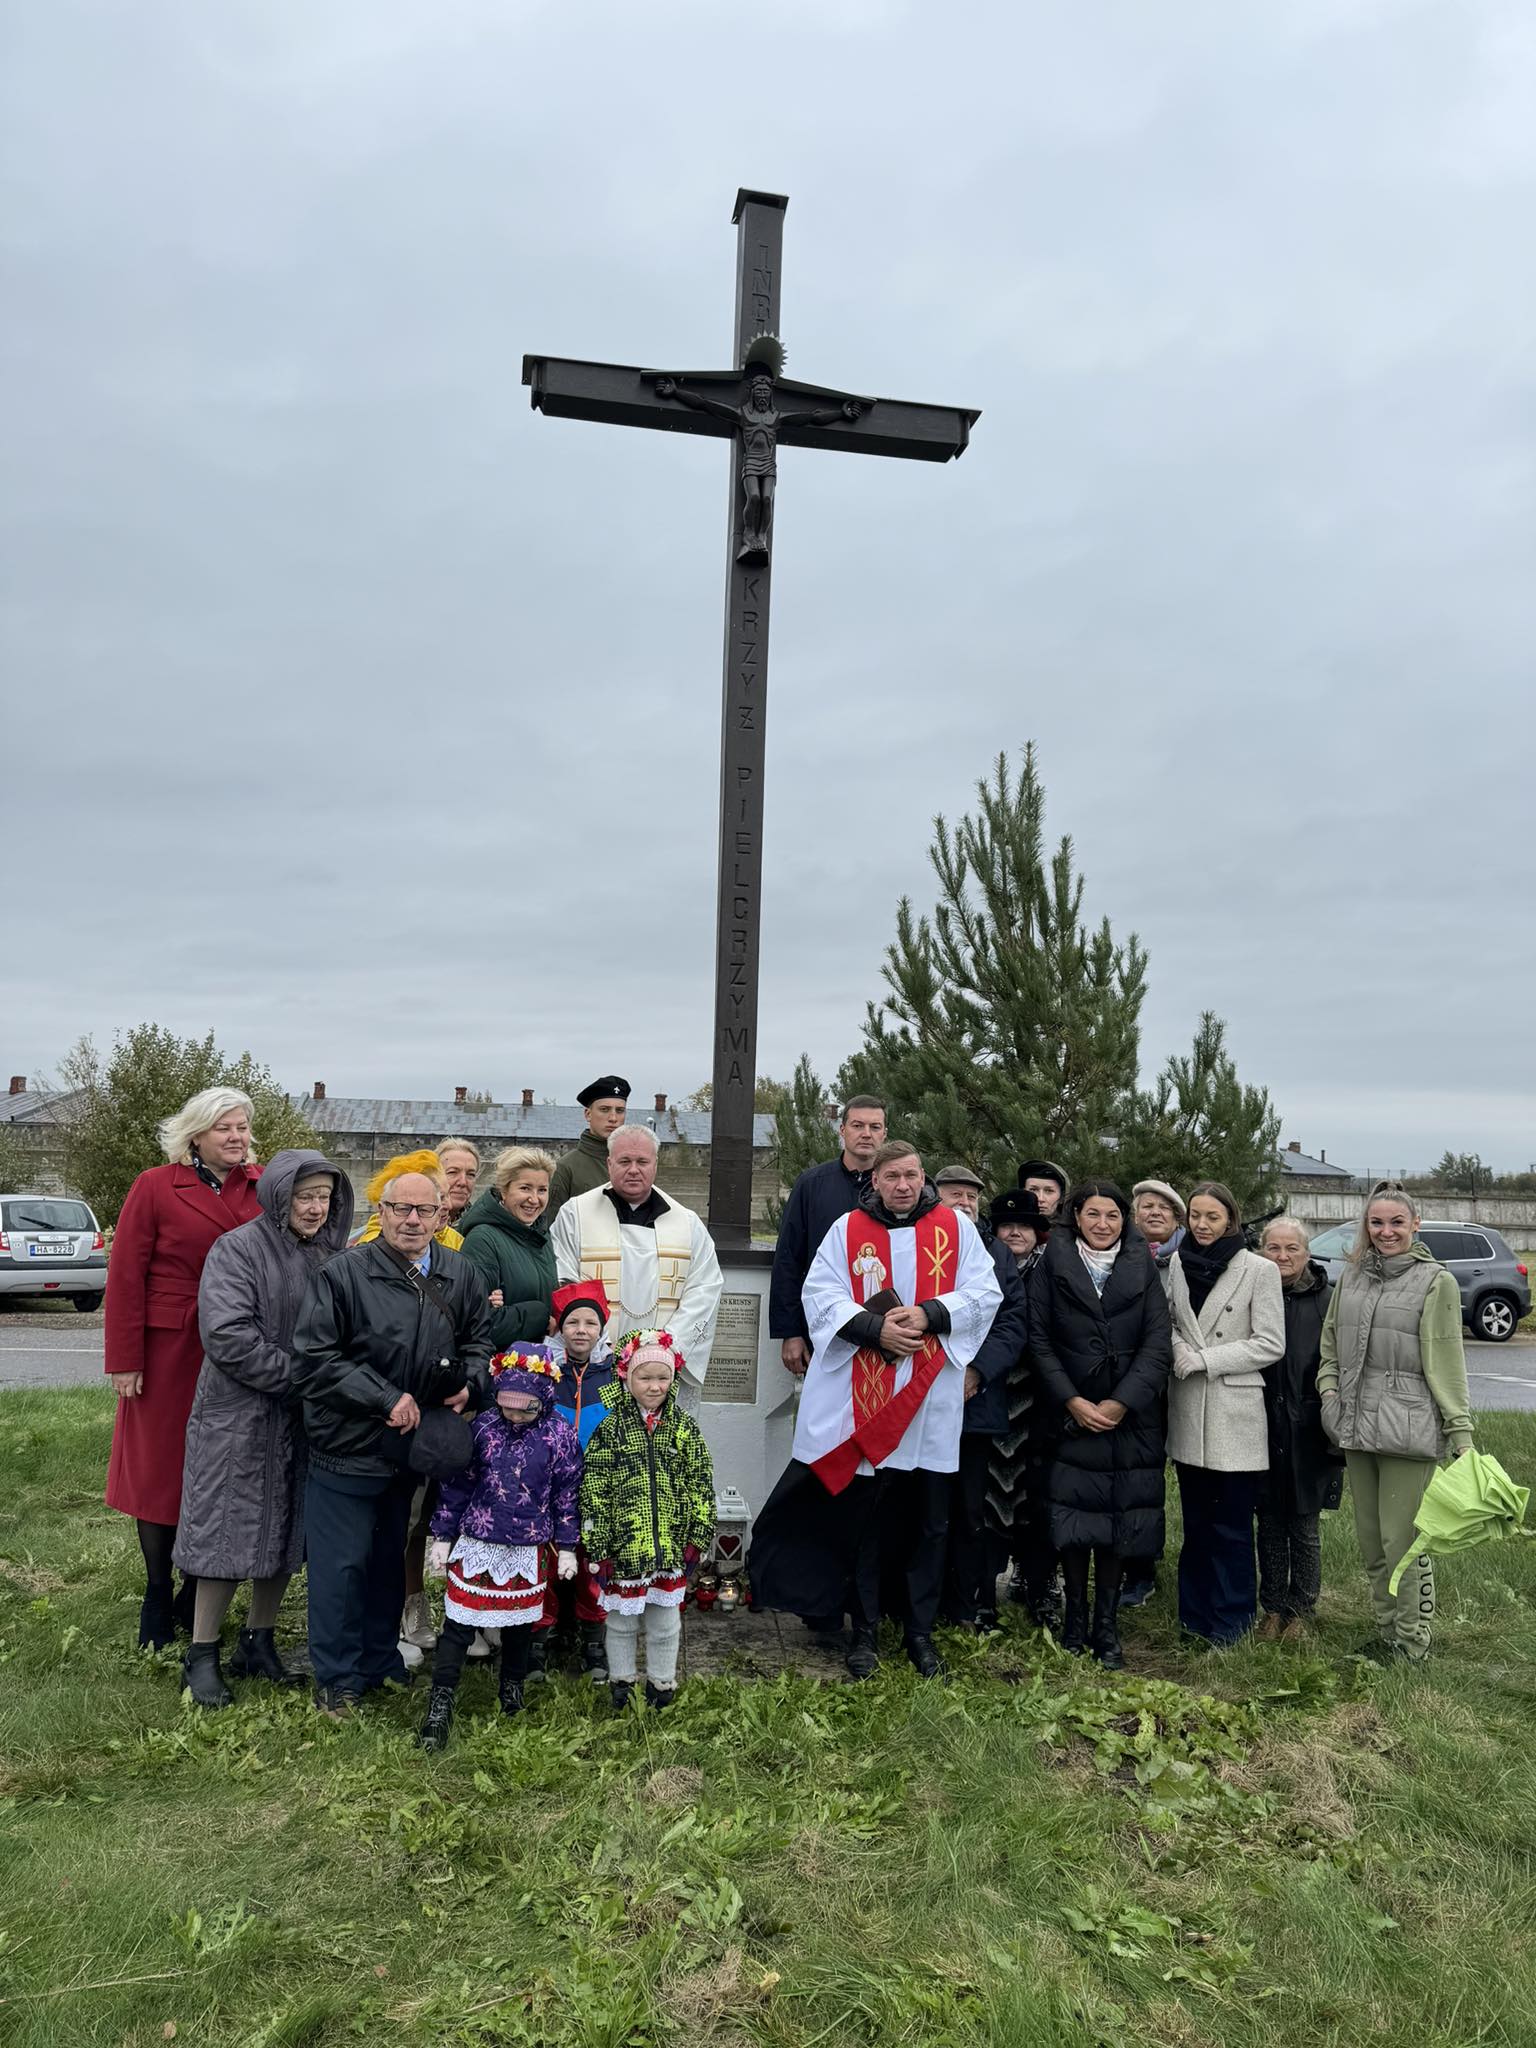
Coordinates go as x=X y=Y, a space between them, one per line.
x=1513 y=1216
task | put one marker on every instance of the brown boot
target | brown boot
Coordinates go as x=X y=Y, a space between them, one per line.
x=1270 y=1629
x=1296 y=1630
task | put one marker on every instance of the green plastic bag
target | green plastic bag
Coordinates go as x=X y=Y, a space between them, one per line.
x=1470 y=1501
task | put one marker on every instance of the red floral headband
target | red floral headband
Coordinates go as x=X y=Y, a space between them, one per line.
x=637 y=1341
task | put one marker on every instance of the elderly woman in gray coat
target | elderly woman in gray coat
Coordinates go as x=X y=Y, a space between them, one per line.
x=1228 y=1330
x=242 y=1495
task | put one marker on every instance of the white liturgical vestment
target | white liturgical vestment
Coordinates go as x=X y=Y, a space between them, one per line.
x=657 y=1275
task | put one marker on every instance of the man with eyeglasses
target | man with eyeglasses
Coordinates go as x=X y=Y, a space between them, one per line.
x=387 y=1331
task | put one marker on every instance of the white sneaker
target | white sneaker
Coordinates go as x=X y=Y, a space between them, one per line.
x=482 y=1646
x=410 y=1655
x=416 y=1623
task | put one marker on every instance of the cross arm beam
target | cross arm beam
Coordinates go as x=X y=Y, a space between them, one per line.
x=621 y=395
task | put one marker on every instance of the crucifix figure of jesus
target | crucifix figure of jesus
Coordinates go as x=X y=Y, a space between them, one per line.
x=758 y=409
x=758 y=422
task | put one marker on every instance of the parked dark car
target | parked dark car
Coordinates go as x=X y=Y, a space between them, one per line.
x=1495 y=1285
x=51 y=1244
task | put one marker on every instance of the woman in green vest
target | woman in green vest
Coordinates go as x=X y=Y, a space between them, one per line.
x=1393 y=1381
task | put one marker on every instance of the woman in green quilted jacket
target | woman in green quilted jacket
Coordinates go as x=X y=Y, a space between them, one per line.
x=647 y=1513
x=1393 y=1381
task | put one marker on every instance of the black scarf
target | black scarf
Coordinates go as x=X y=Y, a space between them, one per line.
x=1204 y=1265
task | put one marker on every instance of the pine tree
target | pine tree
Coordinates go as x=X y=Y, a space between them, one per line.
x=1199 y=1122
x=1008 y=1027
x=804 y=1130
x=108 y=1130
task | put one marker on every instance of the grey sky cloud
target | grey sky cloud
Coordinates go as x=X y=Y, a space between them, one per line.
x=317 y=682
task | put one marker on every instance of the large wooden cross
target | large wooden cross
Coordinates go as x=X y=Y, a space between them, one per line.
x=756 y=407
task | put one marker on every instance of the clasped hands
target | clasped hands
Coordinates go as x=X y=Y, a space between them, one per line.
x=903 y=1331
x=1097 y=1416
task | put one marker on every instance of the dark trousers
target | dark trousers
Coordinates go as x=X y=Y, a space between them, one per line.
x=900 y=1520
x=1290 y=1563
x=1218 y=1585
x=971 y=1567
x=355 y=1529
x=454 y=1639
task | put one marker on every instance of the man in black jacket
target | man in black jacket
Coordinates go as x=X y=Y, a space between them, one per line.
x=976 y=1547
x=385 y=1331
x=820 y=1195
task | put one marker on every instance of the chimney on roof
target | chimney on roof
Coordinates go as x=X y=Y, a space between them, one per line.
x=661 y=1105
x=461 y=1095
x=1294 y=1145
x=319 y=1095
x=1324 y=1157
x=18 y=1084
x=527 y=1098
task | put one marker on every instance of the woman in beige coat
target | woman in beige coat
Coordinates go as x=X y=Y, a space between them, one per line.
x=1228 y=1327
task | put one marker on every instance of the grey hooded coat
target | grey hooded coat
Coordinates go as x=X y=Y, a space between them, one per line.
x=242 y=1498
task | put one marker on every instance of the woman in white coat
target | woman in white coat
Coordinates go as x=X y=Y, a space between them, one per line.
x=1228 y=1327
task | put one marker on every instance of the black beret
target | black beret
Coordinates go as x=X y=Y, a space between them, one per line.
x=603 y=1089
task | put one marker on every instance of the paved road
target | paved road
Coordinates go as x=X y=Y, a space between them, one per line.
x=47 y=1348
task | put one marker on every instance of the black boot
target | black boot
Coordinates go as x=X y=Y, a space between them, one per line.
x=1140 y=1584
x=201 y=1676
x=1106 y=1634
x=184 y=1606
x=659 y=1697
x=1074 y=1627
x=538 y=1656
x=863 y=1654
x=156 y=1627
x=925 y=1659
x=594 y=1651
x=509 y=1679
x=619 y=1693
x=256 y=1657
x=437 y=1726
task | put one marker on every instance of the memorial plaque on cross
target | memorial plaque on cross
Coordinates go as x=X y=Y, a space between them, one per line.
x=756 y=407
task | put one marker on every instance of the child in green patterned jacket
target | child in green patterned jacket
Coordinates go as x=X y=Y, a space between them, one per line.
x=647 y=1512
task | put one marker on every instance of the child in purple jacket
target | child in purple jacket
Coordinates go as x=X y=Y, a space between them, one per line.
x=517 y=1495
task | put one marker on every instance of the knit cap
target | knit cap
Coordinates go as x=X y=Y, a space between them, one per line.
x=527 y=1369
x=1160 y=1187
x=647 y=1347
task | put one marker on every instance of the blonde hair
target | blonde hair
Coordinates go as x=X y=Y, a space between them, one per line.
x=200 y=1114
x=1286 y=1223
x=459 y=1145
x=1384 y=1191
x=515 y=1160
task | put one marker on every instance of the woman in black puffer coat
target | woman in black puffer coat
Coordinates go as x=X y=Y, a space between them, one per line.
x=1102 y=1348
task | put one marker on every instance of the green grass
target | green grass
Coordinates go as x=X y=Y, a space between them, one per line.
x=1214 y=1851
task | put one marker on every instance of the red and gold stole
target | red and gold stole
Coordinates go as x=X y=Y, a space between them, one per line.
x=881 y=1416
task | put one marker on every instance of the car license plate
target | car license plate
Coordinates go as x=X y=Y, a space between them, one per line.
x=51 y=1247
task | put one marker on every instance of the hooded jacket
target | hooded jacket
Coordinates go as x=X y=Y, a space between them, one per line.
x=582 y=1396
x=646 y=1495
x=368 y=1333
x=521 y=1485
x=516 y=1257
x=242 y=1492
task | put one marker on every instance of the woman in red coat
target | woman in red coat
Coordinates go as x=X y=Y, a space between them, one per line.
x=172 y=1218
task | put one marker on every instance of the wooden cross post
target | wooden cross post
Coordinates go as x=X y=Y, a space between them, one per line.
x=755 y=407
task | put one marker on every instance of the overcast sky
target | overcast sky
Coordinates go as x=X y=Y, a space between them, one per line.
x=369 y=717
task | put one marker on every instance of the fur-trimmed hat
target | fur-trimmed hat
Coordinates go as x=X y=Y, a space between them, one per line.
x=424 y=1161
x=1174 y=1200
x=1021 y=1205
x=527 y=1369
x=647 y=1347
x=579 y=1294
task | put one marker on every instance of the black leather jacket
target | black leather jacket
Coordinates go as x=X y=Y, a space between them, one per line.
x=367 y=1333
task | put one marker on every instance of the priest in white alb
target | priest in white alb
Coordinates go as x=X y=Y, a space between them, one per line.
x=654 y=1257
x=898 y=1300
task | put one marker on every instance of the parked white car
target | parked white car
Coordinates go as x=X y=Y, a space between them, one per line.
x=51 y=1244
